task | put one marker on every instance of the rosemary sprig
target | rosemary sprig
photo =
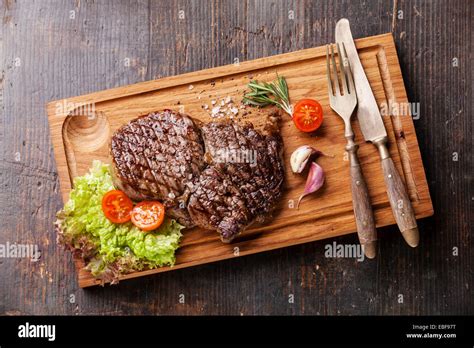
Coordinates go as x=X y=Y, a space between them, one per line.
x=274 y=93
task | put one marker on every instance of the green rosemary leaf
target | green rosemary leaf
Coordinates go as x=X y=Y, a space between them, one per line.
x=253 y=102
x=265 y=93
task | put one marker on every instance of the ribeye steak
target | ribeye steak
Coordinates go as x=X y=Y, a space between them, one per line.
x=155 y=157
x=223 y=176
x=245 y=162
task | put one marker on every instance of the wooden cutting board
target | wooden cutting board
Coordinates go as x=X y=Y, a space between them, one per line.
x=78 y=140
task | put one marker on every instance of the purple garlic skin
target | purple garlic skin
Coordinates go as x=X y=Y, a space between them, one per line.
x=314 y=181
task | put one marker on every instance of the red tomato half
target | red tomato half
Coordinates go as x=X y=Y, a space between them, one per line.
x=148 y=215
x=308 y=115
x=117 y=206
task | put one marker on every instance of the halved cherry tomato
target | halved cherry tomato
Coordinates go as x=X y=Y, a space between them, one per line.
x=308 y=115
x=148 y=215
x=117 y=206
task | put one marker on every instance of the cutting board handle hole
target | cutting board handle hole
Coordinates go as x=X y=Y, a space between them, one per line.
x=86 y=133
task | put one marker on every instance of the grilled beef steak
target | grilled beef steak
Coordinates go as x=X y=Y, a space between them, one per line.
x=238 y=179
x=155 y=157
x=246 y=166
x=217 y=204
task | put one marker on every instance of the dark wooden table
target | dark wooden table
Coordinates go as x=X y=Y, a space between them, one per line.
x=56 y=49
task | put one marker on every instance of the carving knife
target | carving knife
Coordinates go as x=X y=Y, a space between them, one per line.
x=373 y=129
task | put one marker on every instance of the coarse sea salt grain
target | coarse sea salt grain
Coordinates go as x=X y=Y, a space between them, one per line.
x=191 y=87
x=215 y=110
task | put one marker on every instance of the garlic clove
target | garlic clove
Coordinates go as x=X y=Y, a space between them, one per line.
x=299 y=158
x=314 y=181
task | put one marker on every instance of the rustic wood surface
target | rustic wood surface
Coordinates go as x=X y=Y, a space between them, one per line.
x=53 y=49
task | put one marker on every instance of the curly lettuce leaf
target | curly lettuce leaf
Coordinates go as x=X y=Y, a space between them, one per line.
x=110 y=249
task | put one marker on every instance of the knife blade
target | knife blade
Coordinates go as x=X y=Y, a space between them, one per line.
x=373 y=130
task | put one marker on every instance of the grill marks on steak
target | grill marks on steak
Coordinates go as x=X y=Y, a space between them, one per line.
x=243 y=162
x=217 y=204
x=237 y=181
x=258 y=172
x=155 y=157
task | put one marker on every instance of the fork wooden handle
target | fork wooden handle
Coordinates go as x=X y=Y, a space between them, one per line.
x=363 y=212
x=398 y=197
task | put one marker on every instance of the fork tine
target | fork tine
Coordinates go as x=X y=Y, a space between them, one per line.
x=343 y=71
x=347 y=68
x=336 y=80
x=328 y=72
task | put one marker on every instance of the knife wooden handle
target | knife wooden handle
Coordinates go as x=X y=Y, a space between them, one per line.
x=398 y=197
x=363 y=212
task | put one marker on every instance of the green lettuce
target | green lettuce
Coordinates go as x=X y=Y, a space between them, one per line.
x=109 y=249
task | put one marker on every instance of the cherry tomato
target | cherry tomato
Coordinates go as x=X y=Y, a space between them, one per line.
x=148 y=215
x=117 y=206
x=308 y=115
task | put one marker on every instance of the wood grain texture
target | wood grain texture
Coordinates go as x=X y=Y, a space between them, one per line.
x=400 y=202
x=361 y=202
x=61 y=57
x=81 y=136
